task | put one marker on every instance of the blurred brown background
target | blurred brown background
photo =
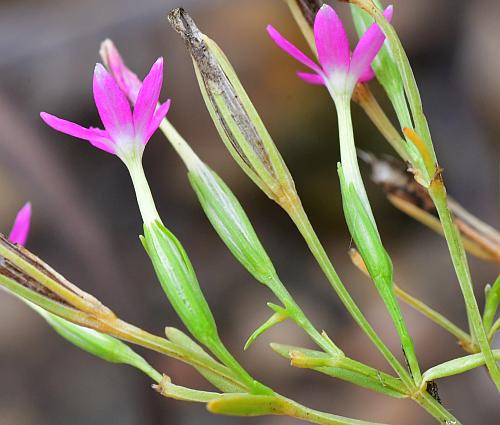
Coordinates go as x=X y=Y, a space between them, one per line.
x=86 y=221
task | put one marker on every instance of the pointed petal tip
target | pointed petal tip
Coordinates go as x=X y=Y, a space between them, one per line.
x=291 y=49
x=158 y=64
x=367 y=49
x=309 y=78
x=21 y=227
x=25 y=212
x=389 y=12
x=272 y=31
x=168 y=104
x=107 y=50
x=107 y=43
x=158 y=117
x=147 y=99
x=326 y=11
x=100 y=71
x=49 y=119
x=331 y=40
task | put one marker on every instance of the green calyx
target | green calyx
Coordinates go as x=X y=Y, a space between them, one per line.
x=179 y=282
x=364 y=233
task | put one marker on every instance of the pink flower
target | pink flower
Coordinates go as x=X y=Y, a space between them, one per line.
x=21 y=227
x=126 y=132
x=339 y=71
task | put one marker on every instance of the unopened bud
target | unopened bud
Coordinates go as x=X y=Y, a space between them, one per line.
x=231 y=222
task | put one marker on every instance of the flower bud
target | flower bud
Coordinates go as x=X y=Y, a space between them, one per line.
x=231 y=223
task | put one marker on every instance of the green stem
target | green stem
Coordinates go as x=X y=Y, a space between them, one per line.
x=394 y=310
x=437 y=192
x=298 y=411
x=348 y=155
x=456 y=366
x=352 y=176
x=151 y=372
x=373 y=374
x=494 y=329
x=298 y=316
x=143 y=192
x=436 y=409
x=130 y=333
x=180 y=145
x=299 y=217
x=222 y=353
x=435 y=316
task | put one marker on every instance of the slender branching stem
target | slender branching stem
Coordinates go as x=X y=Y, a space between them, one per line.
x=302 y=222
x=463 y=337
x=437 y=192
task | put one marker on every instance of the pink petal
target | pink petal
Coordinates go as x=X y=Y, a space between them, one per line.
x=311 y=78
x=128 y=82
x=289 y=48
x=367 y=75
x=331 y=41
x=21 y=227
x=113 y=106
x=97 y=137
x=368 y=47
x=147 y=100
x=158 y=117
